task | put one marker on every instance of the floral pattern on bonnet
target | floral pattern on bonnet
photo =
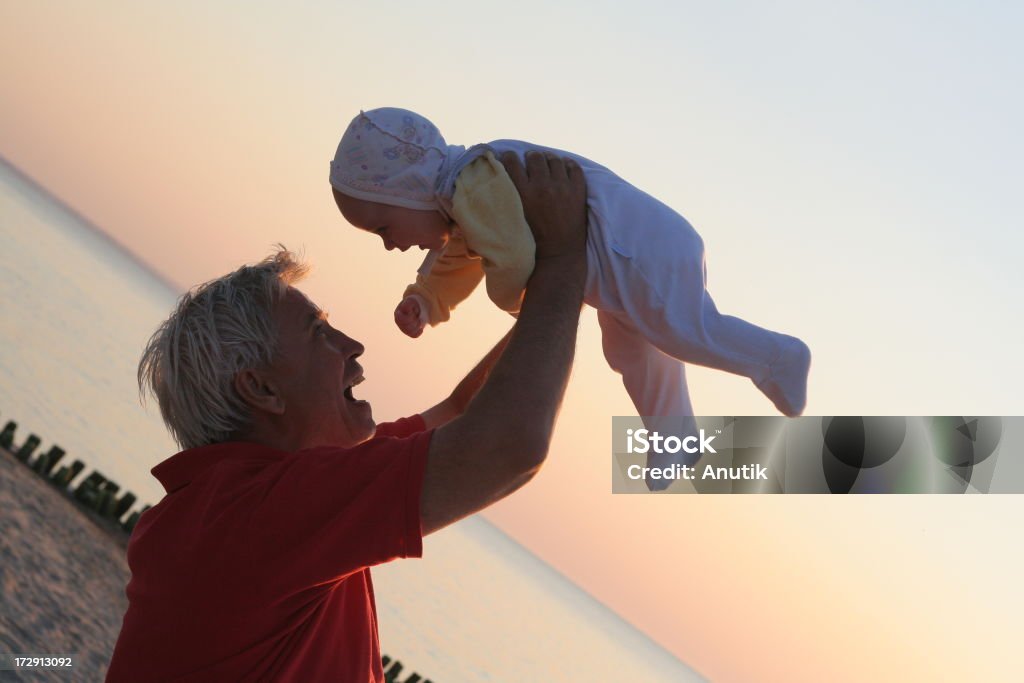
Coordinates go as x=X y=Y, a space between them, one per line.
x=391 y=156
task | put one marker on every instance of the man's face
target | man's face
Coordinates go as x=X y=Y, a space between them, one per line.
x=398 y=227
x=314 y=370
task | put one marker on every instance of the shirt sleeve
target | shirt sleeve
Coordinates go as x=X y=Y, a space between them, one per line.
x=324 y=513
x=402 y=427
x=487 y=207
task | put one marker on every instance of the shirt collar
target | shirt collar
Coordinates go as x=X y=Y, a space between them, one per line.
x=179 y=470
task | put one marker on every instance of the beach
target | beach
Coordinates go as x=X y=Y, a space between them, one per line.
x=63 y=575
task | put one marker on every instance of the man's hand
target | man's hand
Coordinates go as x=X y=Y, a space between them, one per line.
x=409 y=317
x=554 y=195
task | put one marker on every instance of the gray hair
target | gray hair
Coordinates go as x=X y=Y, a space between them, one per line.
x=217 y=330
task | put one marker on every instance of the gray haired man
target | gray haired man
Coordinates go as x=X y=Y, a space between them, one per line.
x=255 y=565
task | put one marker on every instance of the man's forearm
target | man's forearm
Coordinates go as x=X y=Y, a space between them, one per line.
x=522 y=395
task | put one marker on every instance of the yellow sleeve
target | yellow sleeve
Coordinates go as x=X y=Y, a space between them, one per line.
x=452 y=278
x=487 y=207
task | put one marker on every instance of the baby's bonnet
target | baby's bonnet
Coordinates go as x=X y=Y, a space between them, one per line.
x=393 y=156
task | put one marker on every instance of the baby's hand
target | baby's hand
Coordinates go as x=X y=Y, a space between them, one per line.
x=409 y=316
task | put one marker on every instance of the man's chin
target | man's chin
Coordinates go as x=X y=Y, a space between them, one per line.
x=365 y=420
x=355 y=421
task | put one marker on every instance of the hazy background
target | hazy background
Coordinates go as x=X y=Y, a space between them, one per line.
x=851 y=167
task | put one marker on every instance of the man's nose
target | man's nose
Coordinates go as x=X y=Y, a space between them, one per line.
x=353 y=349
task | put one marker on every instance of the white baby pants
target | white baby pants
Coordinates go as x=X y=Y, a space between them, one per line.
x=646 y=277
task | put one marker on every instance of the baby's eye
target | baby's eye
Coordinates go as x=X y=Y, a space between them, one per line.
x=380 y=231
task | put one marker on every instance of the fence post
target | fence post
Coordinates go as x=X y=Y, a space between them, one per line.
x=7 y=436
x=126 y=501
x=66 y=474
x=89 y=490
x=26 y=448
x=52 y=457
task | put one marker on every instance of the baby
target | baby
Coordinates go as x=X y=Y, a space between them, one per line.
x=395 y=176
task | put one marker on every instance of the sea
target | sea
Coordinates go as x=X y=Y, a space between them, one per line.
x=76 y=312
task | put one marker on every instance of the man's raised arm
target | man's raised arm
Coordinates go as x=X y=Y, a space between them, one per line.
x=502 y=438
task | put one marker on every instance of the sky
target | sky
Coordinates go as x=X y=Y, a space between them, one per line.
x=851 y=167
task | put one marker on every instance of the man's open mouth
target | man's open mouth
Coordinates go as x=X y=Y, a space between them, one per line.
x=348 y=390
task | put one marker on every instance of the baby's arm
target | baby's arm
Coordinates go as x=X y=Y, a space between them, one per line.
x=487 y=207
x=453 y=277
x=489 y=211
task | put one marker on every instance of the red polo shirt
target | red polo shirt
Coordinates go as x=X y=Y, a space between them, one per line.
x=254 y=566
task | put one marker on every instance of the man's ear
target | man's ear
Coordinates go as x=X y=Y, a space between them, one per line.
x=258 y=392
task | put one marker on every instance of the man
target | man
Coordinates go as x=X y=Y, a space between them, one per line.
x=254 y=566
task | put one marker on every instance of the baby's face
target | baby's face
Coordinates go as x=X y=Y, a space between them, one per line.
x=398 y=227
